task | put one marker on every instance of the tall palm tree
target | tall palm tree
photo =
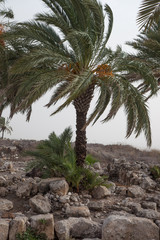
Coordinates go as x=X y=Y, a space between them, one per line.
x=4 y=126
x=69 y=55
x=148 y=13
x=5 y=13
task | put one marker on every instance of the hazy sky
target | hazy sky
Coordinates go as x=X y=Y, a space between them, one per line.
x=113 y=132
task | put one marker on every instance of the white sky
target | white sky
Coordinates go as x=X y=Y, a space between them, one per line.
x=113 y=132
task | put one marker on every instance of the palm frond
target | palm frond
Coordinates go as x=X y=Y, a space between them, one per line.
x=148 y=13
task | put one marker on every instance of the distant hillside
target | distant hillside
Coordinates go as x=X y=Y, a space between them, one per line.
x=105 y=153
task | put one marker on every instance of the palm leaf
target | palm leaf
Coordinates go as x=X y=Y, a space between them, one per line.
x=148 y=13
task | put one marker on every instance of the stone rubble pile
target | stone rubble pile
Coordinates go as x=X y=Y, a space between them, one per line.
x=128 y=209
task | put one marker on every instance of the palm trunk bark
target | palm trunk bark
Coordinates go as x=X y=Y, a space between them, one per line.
x=82 y=104
x=2 y=134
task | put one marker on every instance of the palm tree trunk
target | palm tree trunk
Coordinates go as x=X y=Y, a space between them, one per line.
x=2 y=134
x=82 y=104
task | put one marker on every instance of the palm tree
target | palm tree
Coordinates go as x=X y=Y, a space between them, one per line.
x=4 y=126
x=69 y=55
x=148 y=13
x=4 y=63
x=147 y=46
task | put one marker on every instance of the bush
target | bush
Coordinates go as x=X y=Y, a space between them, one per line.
x=155 y=171
x=92 y=180
x=31 y=234
x=56 y=157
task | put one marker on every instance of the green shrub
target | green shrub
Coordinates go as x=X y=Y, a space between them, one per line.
x=92 y=180
x=51 y=154
x=31 y=234
x=155 y=171
x=56 y=157
x=90 y=160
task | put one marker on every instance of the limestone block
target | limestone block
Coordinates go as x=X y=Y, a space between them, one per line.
x=117 y=227
x=17 y=225
x=136 y=191
x=59 y=187
x=73 y=211
x=3 y=181
x=24 y=189
x=43 y=185
x=96 y=205
x=4 y=229
x=148 y=213
x=100 y=192
x=44 y=223
x=147 y=183
x=40 y=204
x=5 y=205
x=3 y=191
x=77 y=228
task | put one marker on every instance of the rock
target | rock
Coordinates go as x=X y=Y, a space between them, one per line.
x=59 y=187
x=9 y=166
x=149 y=205
x=82 y=211
x=24 y=190
x=43 y=186
x=147 y=183
x=8 y=215
x=100 y=192
x=112 y=186
x=27 y=188
x=135 y=191
x=77 y=228
x=64 y=199
x=44 y=223
x=3 y=191
x=157 y=222
x=40 y=204
x=148 y=213
x=5 y=205
x=17 y=225
x=135 y=207
x=1 y=162
x=121 y=190
x=3 y=182
x=96 y=205
x=128 y=228
x=4 y=229
x=97 y=166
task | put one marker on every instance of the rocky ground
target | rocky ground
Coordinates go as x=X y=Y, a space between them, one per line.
x=129 y=209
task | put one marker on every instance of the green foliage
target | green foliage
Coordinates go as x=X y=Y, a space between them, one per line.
x=43 y=221
x=90 y=160
x=92 y=180
x=52 y=154
x=67 y=61
x=56 y=157
x=155 y=171
x=4 y=126
x=148 y=13
x=31 y=234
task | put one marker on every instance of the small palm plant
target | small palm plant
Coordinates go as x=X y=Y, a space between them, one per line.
x=51 y=154
x=56 y=157
x=4 y=126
